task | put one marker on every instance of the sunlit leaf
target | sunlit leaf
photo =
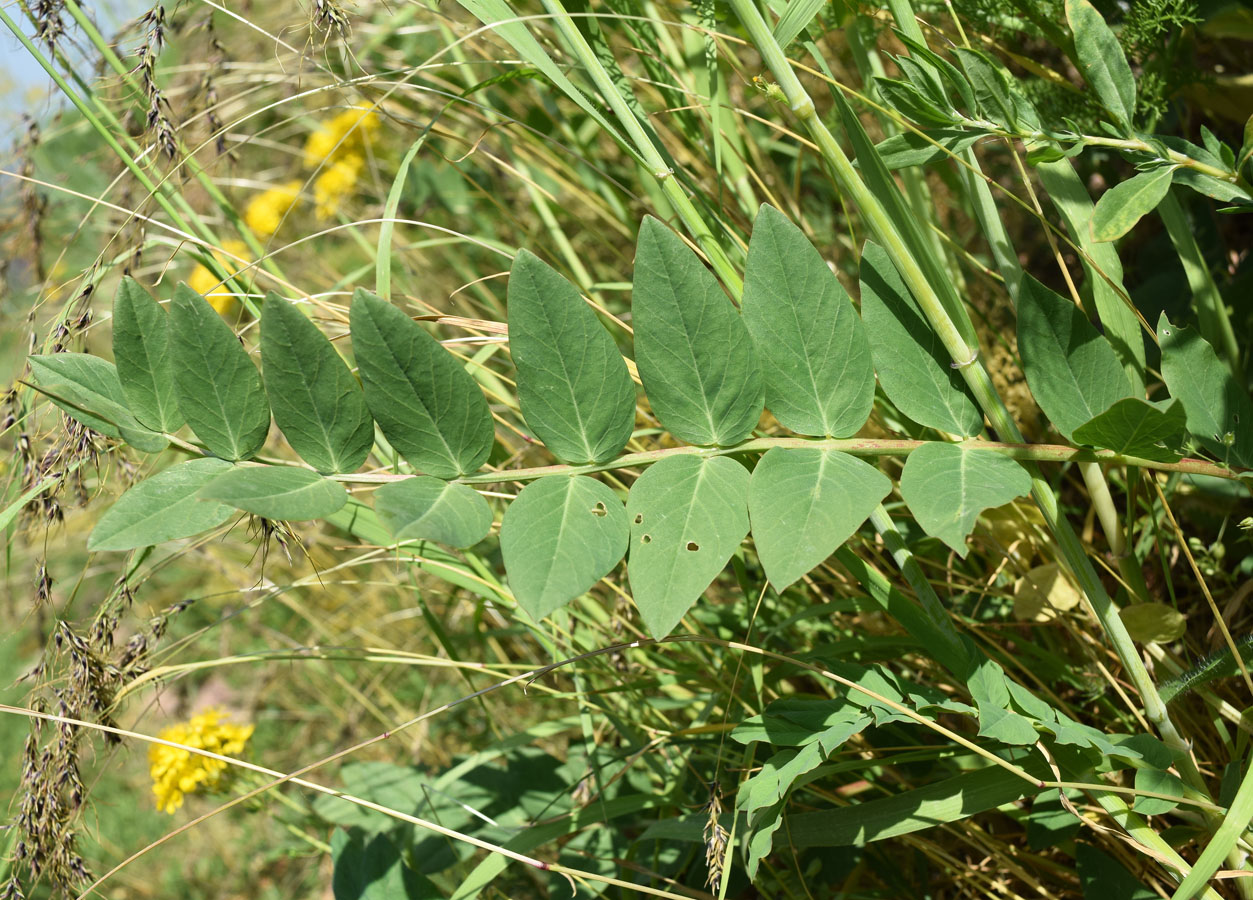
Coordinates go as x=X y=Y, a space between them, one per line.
x=281 y=493
x=428 y=509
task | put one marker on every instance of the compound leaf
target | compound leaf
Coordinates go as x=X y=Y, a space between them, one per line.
x=820 y=378
x=560 y=536
x=687 y=516
x=427 y=509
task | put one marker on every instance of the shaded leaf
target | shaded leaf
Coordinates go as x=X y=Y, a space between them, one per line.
x=1125 y=204
x=141 y=351
x=1102 y=61
x=1158 y=782
x=368 y=866
x=560 y=536
x=695 y=357
x=87 y=388
x=163 y=507
x=1220 y=414
x=1153 y=622
x=1071 y=369
x=281 y=493
x=1139 y=428
x=1042 y=593
x=909 y=148
x=687 y=516
x=428 y=509
x=804 y=503
x=425 y=402
x=573 y=385
x=1102 y=877
x=315 y=397
x=819 y=379
x=219 y=390
x=914 y=368
x=946 y=487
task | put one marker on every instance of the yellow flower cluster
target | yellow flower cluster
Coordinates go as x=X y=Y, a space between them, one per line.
x=265 y=213
x=203 y=281
x=339 y=147
x=177 y=772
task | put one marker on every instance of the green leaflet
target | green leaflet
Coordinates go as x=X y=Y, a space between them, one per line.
x=1071 y=369
x=1139 y=428
x=914 y=368
x=162 y=508
x=1101 y=60
x=219 y=390
x=1101 y=876
x=909 y=148
x=427 y=509
x=695 y=357
x=1220 y=414
x=368 y=866
x=946 y=487
x=1153 y=622
x=804 y=503
x=560 y=536
x=819 y=378
x=281 y=493
x=687 y=516
x=423 y=399
x=141 y=351
x=991 y=692
x=316 y=400
x=990 y=84
x=87 y=388
x=573 y=384
x=1125 y=204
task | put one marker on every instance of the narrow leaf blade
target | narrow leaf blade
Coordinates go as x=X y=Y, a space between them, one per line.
x=141 y=351
x=162 y=508
x=1102 y=61
x=1125 y=204
x=427 y=509
x=280 y=493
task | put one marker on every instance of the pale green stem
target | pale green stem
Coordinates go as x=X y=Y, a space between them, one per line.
x=966 y=360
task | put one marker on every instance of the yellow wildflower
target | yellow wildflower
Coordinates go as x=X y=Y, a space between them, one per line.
x=204 y=282
x=347 y=134
x=335 y=183
x=177 y=772
x=265 y=212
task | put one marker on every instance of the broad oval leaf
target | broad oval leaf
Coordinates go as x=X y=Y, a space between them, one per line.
x=1124 y=204
x=427 y=509
x=914 y=369
x=1153 y=622
x=946 y=487
x=1071 y=368
x=164 y=507
x=803 y=504
x=423 y=399
x=560 y=536
x=87 y=388
x=819 y=378
x=141 y=351
x=1157 y=782
x=1102 y=61
x=1139 y=428
x=316 y=400
x=1220 y=414
x=695 y=357
x=281 y=493
x=573 y=384
x=688 y=515
x=219 y=390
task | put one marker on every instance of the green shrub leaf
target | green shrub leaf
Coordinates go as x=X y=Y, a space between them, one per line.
x=1101 y=60
x=281 y=493
x=1072 y=370
x=164 y=507
x=423 y=399
x=87 y=388
x=427 y=509
x=803 y=504
x=819 y=378
x=1124 y=204
x=141 y=351
x=695 y=356
x=560 y=536
x=219 y=390
x=946 y=487
x=316 y=400
x=915 y=370
x=687 y=515
x=1139 y=428
x=573 y=384
x=1220 y=414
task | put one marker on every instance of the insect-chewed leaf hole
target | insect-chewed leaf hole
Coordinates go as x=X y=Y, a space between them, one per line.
x=599 y=510
x=646 y=539
x=693 y=546
x=639 y=518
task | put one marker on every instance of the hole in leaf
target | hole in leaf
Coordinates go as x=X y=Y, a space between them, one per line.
x=639 y=518
x=599 y=510
x=646 y=539
x=693 y=546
